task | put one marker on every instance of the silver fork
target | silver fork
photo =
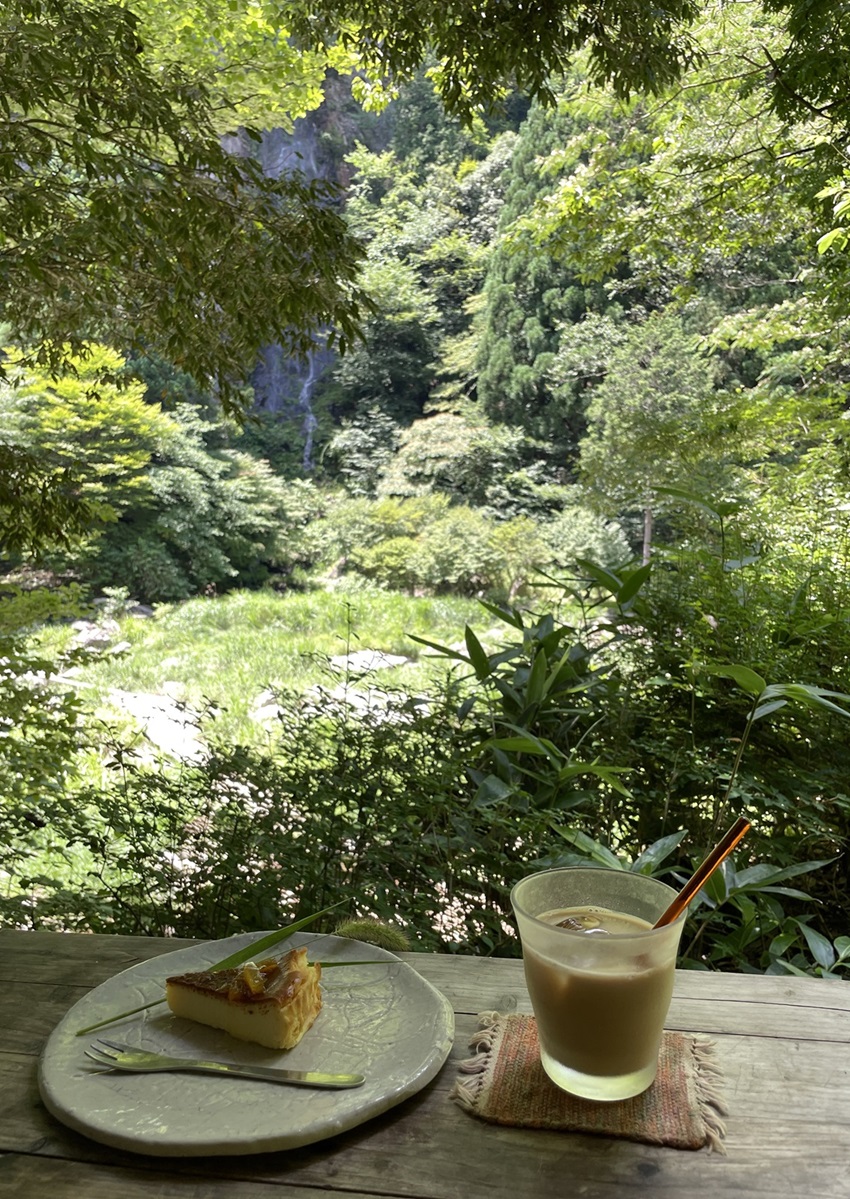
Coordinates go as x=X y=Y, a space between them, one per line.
x=140 y=1061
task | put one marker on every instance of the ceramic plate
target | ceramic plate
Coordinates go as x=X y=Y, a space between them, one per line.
x=384 y=1021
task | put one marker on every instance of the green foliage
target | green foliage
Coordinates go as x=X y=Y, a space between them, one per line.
x=213 y=521
x=111 y=159
x=555 y=741
x=316 y=818
x=350 y=525
x=424 y=133
x=180 y=509
x=243 y=54
x=547 y=291
x=426 y=259
x=572 y=708
x=455 y=456
x=23 y=612
x=459 y=552
x=542 y=689
x=360 y=451
x=43 y=726
x=811 y=63
x=578 y=532
x=530 y=298
x=392 y=366
x=319 y=818
x=40 y=502
x=740 y=923
x=99 y=433
x=480 y=46
x=447 y=549
x=424 y=543
x=41 y=735
x=755 y=160
x=611 y=211
x=649 y=423
x=735 y=922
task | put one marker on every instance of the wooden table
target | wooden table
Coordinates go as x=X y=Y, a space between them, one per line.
x=783 y=1044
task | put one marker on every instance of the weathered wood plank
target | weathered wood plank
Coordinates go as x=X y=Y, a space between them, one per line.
x=789 y=1127
x=466 y=980
x=784 y=1046
x=25 y=1027
x=77 y=959
x=86 y=960
x=36 y=1177
x=702 y=1002
x=759 y=1020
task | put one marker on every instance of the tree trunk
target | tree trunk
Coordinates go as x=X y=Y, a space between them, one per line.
x=647 y=535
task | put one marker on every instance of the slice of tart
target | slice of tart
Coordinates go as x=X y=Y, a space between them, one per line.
x=272 y=1002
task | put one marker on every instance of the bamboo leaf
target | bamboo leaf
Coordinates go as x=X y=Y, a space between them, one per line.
x=655 y=854
x=815 y=697
x=788 y=892
x=608 y=774
x=633 y=584
x=765 y=872
x=442 y=650
x=525 y=744
x=821 y=948
x=477 y=656
x=364 y=962
x=269 y=941
x=601 y=576
x=535 y=687
x=691 y=497
x=746 y=678
x=509 y=615
x=766 y=709
x=492 y=790
x=235 y=959
x=587 y=845
x=134 y=1011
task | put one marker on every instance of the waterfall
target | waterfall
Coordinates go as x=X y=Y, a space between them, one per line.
x=282 y=384
x=315 y=366
x=280 y=151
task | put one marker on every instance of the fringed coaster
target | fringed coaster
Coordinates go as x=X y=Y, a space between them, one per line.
x=504 y=1083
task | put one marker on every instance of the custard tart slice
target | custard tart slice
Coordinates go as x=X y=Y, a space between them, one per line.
x=272 y=1002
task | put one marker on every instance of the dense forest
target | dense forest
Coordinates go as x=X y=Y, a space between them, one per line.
x=570 y=342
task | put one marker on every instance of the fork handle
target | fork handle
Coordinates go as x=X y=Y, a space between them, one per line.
x=293 y=1078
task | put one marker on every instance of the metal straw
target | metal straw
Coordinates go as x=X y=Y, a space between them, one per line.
x=721 y=851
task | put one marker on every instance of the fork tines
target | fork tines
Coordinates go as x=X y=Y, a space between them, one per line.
x=100 y=1056
x=116 y=1045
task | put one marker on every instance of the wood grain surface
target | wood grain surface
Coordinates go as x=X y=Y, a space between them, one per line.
x=783 y=1045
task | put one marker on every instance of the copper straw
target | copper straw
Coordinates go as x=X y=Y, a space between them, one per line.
x=721 y=851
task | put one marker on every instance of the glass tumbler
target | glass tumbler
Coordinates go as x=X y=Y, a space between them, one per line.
x=599 y=975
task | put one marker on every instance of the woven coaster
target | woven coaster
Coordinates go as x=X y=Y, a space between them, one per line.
x=504 y=1083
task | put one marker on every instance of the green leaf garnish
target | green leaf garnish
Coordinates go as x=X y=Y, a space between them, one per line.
x=81 y=1032
x=235 y=959
x=269 y=941
x=365 y=962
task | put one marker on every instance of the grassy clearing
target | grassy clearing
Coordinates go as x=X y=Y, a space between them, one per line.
x=228 y=650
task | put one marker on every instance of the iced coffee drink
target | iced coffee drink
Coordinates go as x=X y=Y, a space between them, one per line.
x=599 y=976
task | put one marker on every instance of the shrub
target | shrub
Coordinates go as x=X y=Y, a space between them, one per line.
x=562 y=742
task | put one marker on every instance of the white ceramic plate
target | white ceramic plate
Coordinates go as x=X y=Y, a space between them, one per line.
x=383 y=1021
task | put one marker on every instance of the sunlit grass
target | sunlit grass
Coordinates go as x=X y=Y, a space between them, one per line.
x=230 y=649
